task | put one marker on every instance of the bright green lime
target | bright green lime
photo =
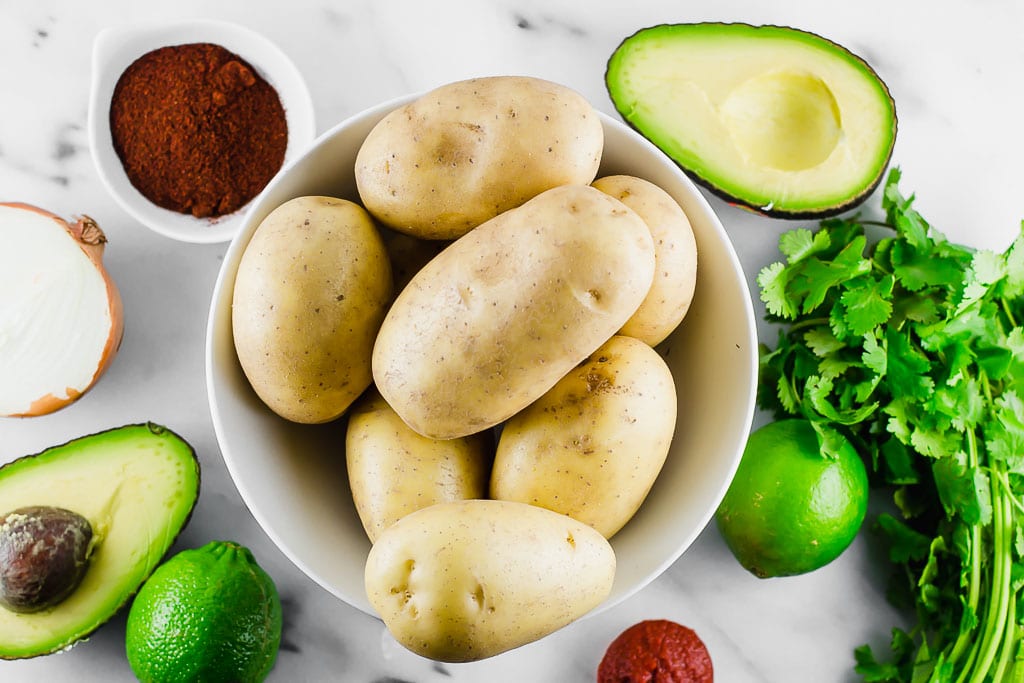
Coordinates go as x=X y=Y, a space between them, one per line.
x=206 y=615
x=790 y=509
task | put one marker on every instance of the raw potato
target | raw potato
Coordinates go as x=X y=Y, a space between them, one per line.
x=394 y=471
x=497 y=318
x=467 y=151
x=408 y=255
x=592 y=447
x=462 y=581
x=311 y=291
x=675 y=251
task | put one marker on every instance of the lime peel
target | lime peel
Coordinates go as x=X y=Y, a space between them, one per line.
x=209 y=614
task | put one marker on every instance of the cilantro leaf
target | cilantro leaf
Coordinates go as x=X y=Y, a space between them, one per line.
x=903 y=542
x=873 y=365
x=908 y=223
x=822 y=342
x=787 y=396
x=801 y=243
x=868 y=303
x=962 y=402
x=917 y=269
x=963 y=490
x=1012 y=286
x=832 y=367
x=907 y=367
x=898 y=464
x=772 y=281
x=819 y=389
x=986 y=269
x=874 y=355
x=1004 y=431
x=912 y=347
x=918 y=309
x=1015 y=347
x=930 y=572
x=816 y=277
x=871 y=669
x=899 y=411
x=934 y=442
x=830 y=441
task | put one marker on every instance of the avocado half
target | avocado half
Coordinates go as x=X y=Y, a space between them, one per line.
x=771 y=118
x=137 y=486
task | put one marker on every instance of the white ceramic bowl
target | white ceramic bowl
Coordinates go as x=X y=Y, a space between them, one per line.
x=293 y=478
x=115 y=49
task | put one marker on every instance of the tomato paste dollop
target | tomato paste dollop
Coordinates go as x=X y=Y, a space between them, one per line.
x=656 y=651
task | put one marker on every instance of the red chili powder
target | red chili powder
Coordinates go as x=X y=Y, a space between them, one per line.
x=197 y=129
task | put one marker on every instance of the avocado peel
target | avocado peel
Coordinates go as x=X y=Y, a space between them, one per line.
x=137 y=486
x=773 y=119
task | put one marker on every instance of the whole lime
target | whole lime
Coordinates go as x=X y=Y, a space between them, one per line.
x=791 y=508
x=207 y=614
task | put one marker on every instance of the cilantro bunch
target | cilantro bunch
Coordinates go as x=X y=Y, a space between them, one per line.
x=912 y=348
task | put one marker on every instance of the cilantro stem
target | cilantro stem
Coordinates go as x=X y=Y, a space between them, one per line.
x=968 y=667
x=808 y=322
x=1007 y=311
x=963 y=639
x=1006 y=652
x=1010 y=496
x=880 y=224
x=995 y=620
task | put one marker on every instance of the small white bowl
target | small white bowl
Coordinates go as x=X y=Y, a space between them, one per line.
x=116 y=48
x=293 y=478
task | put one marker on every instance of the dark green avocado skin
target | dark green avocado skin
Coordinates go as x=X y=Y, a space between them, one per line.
x=827 y=212
x=156 y=429
x=849 y=205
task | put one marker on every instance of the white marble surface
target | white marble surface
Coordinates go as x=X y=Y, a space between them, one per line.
x=955 y=71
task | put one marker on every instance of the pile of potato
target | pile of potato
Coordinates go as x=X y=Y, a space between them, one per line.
x=484 y=314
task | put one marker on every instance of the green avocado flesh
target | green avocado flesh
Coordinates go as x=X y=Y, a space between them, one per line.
x=772 y=118
x=136 y=485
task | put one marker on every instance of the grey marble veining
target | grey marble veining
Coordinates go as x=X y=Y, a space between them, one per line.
x=954 y=68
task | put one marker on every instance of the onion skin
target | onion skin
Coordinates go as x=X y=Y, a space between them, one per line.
x=91 y=240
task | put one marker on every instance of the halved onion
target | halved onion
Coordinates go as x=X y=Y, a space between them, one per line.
x=61 y=318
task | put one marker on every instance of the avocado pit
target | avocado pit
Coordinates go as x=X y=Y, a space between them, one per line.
x=44 y=553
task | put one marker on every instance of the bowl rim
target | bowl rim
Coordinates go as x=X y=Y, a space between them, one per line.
x=224 y=284
x=114 y=48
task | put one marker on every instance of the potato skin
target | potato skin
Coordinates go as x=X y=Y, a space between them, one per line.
x=408 y=255
x=452 y=581
x=593 y=445
x=311 y=291
x=467 y=151
x=494 y=320
x=394 y=471
x=675 y=250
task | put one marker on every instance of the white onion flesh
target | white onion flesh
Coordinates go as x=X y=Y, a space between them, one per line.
x=60 y=314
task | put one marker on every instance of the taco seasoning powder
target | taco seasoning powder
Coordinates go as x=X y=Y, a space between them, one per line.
x=197 y=129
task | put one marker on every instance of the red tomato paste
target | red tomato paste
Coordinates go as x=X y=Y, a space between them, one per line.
x=656 y=651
